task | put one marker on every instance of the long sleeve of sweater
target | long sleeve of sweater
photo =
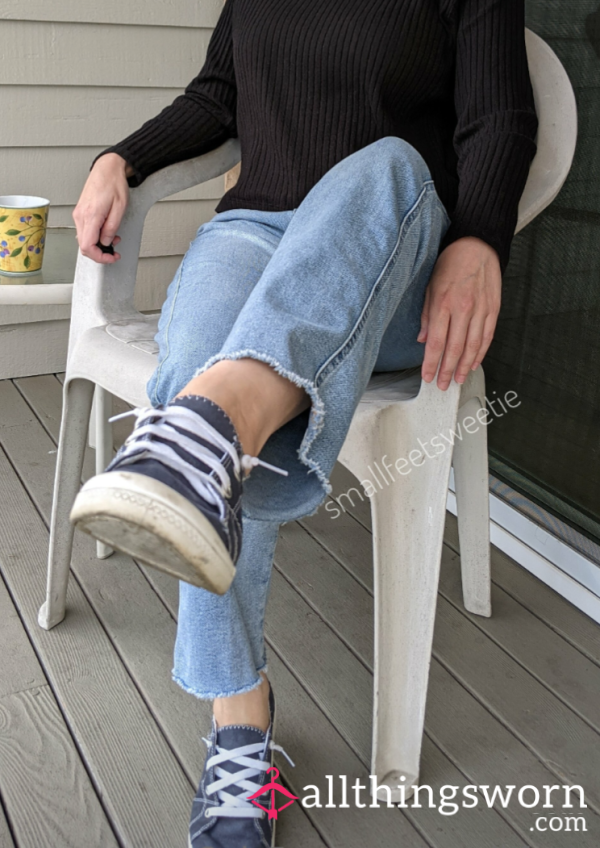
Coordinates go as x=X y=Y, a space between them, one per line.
x=197 y=121
x=496 y=122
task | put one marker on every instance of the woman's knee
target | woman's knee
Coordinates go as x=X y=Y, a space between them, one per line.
x=386 y=174
x=396 y=161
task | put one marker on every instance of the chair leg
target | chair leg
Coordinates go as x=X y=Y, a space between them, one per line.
x=104 y=446
x=472 y=499
x=77 y=403
x=408 y=526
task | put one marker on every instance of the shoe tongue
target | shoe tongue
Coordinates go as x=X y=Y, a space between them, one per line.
x=211 y=413
x=236 y=736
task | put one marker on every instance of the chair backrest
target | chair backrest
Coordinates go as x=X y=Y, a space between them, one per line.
x=557 y=131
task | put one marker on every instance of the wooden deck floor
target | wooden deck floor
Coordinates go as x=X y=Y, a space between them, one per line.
x=99 y=748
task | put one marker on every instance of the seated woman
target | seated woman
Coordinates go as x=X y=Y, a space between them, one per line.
x=385 y=147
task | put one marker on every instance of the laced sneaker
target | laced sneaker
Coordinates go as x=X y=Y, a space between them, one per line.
x=236 y=766
x=171 y=497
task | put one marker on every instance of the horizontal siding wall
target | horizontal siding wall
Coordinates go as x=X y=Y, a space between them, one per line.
x=78 y=76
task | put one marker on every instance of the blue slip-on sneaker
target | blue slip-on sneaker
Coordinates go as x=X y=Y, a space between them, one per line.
x=235 y=770
x=171 y=497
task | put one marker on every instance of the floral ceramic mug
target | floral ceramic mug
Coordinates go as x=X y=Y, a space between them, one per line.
x=23 y=223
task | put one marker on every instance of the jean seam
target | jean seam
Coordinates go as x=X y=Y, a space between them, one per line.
x=168 y=327
x=340 y=354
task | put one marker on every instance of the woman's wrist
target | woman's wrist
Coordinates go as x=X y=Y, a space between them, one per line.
x=116 y=160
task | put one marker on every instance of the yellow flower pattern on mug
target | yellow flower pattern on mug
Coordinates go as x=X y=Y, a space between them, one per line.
x=22 y=238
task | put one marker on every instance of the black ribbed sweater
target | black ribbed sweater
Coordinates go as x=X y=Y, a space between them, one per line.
x=305 y=83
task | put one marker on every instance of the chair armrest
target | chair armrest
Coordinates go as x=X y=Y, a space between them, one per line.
x=104 y=293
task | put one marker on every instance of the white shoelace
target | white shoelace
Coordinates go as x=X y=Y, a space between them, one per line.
x=238 y=806
x=213 y=486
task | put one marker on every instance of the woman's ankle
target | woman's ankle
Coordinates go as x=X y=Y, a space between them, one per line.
x=251 y=708
x=257 y=399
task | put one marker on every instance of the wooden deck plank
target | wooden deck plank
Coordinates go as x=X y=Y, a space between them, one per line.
x=539 y=599
x=559 y=666
x=19 y=666
x=460 y=724
x=45 y=787
x=531 y=639
x=6 y=840
x=320 y=751
x=138 y=623
x=556 y=643
x=488 y=753
x=146 y=793
x=46 y=790
x=330 y=673
x=532 y=711
x=484 y=667
x=309 y=568
x=534 y=595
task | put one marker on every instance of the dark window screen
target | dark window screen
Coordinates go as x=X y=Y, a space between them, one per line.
x=547 y=344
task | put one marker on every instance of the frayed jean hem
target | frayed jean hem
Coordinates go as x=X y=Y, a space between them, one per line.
x=210 y=696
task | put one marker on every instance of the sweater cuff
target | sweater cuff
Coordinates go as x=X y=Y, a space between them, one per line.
x=137 y=178
x=493 y=174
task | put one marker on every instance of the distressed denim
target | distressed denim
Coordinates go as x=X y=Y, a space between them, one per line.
x=326 y=293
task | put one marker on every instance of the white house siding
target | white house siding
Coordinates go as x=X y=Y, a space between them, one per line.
x=79 y=75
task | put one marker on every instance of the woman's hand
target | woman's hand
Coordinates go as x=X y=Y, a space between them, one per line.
x=462 y=302
x=101 y=206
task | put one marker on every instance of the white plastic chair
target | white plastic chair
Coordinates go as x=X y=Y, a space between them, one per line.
x=111 y=346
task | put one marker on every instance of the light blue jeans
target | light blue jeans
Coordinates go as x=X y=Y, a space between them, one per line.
x=326 y=293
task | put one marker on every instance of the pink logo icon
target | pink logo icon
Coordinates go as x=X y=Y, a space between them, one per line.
x=273 y=787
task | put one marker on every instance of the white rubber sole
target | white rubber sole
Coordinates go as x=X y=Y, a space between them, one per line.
x=156 y=525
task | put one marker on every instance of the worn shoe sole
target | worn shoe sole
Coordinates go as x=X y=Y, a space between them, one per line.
x=154 y=524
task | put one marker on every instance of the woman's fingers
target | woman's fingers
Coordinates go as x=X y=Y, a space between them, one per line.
x=471 y=347
x=454 y=347
x=88 y=234
x=437 y=333
x=111 y=224
x=93 y=228
x=489 y=328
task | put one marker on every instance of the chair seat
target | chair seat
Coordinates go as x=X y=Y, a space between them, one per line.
x=119 y=357
x=393 y=386
x=138 y=334
x=388 y=387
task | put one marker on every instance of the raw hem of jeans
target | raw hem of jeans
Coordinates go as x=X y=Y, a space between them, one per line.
x=317 y=417
x=210 y=696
